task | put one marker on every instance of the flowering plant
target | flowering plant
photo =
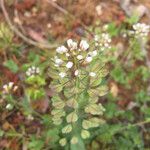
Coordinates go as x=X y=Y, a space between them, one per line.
x=78 y=72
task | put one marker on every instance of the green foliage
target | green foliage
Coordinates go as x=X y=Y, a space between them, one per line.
x=10 y=64
x=6 y=36
x=75 y=103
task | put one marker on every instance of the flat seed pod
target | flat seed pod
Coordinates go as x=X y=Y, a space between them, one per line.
x=67 y=129
x=57 y=121
x=72 y=103
x=101 y=91
x=74 y=140
x=86 y=124
x=96 y=121
x=63 y=141
x=94 y=109
x=58 y=104
x=58 y=112
x=85 y=134
x=72 y=117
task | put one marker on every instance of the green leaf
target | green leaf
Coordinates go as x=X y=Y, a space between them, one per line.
x=10 y=64
x=36 y=80
x=1 y=133
x=133 y=19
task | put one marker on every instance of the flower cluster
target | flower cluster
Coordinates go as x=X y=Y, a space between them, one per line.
x=77 y=71
x=73 y=56
x=140 y=30
x=103 y=41
x=32 y=71
x=9 y=88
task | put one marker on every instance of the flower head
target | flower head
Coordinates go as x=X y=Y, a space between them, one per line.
x=62 y=74
x=84 y=45
x=141 y=30
x=103 y=41
x=71 y=44
x=32 y=71
x=62 y=49
x=69 y=64
x=10 y=87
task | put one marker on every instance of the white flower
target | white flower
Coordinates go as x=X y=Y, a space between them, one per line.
x=9 y=106
x=62 y=74
x=76 y=73
x=71 y=44
x=10 y=85
x=37 y=70
x=93 y=54
x=62 y=49
x=79 y=57
x=84 y=45
x=103 y=41
x=92 y=74
x=32 y=71
x=15 y=88
x=88 y=59
x=67 y=54
x=96 y=38
x=141 y=29
x=28 y=73
x=7 y=88
x=58 y=61
x=69 y=64
x=63 y=141
x=99 y=10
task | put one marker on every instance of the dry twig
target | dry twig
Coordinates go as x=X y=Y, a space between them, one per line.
x=22 y=36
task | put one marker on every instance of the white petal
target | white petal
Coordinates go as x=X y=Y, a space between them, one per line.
x=69 y=64
x=92 y=74
x=79 y=57
x=76 y=73
x=88 y=59
x=84 y=45
x=62 y=74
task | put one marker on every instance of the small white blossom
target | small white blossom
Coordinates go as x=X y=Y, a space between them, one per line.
x=76 y=73
x=10 y=87
x=99 y=10
x=62 y=74
x=141 y=30
x=93 y=54
x=79 y=57
x=32 y=71
x=58 y=61
x=67 y=54
x=63 y=141
x=84 y=45
x=62 y=49
x=103 y=41
x=71 y=44
x=69 y=64
x=92 y=74
x=89 y=59
x=9 y=106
